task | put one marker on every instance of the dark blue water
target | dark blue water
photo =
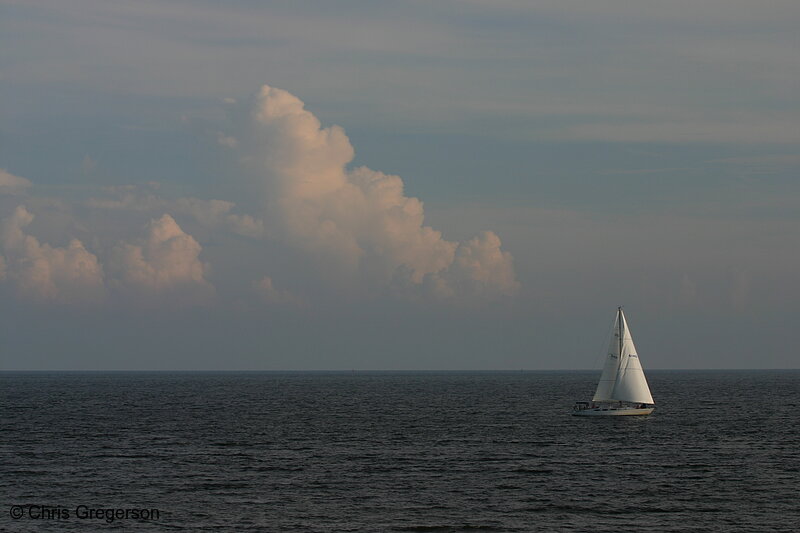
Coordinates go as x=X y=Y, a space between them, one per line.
x=396 y=452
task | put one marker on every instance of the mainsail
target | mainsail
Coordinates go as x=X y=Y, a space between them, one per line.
x=622 y=378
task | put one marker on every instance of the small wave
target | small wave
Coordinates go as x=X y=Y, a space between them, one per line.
x=451 y=528
x=534 y=470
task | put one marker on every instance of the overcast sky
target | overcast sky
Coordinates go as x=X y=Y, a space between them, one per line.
x=349 y=184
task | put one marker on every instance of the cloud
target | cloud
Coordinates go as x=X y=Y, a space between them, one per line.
x=88 y=165
x=163 y=268
x=357 y=222
x=354 y=228
x=208 y=213
x=689 y=127
x=265 y=289
x=216 y=213
x=11 y=184
x=227 y=140
x=480 y=268
x=129 y=198
x=44 y=273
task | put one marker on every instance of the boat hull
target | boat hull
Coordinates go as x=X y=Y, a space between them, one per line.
x=614 y=411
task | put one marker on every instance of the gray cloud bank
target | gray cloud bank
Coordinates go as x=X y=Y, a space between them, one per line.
x=712 y=71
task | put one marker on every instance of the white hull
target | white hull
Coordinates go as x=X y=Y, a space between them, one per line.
x=614 y=411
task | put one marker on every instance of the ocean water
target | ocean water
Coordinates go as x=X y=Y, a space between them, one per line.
x=379 y=452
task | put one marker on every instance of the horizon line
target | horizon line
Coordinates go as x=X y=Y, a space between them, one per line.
x=396 y=371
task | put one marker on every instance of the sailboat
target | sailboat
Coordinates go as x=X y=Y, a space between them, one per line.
x=622 y=389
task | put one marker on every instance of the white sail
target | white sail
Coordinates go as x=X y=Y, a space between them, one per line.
x=630 y=385
x=605 y=387
x=623 y=378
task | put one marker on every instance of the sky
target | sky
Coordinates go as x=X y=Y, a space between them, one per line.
x=412 y=185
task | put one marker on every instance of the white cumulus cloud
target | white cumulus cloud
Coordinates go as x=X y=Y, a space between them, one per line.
x=357 y=222
x=317 y=222
x=480 y=268
x=11 y=184
x=164 y=267
x=44 y=273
